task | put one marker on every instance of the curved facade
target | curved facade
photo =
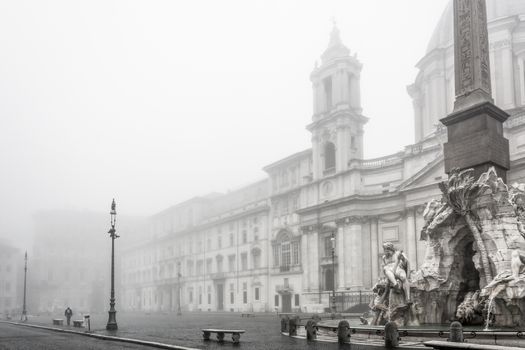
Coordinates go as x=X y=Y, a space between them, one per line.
x=433 y=91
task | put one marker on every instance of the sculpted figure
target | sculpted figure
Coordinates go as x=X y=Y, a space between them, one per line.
x=396 y=269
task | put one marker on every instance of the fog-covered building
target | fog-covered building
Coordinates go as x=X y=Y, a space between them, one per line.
x=11 y=278
x=70 y=262
x=327 y=193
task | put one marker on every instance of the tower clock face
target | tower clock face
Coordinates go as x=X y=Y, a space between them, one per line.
x=328 y=186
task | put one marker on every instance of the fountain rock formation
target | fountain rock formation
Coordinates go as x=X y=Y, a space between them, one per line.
x=475 y=253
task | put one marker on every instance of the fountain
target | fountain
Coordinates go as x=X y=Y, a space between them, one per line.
x=474 y=268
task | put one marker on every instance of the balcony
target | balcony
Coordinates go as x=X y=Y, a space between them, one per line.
x=327 y=260
x=218 y=276
x=286 y=269
x=284 y=289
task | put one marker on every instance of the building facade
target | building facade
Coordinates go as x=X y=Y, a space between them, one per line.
x=71 y=259
x=323 y=213
x=11 y=279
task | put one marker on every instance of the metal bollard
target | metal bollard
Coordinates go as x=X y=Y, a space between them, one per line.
x=343 y=332
x=391 y=335
x=292 y=327
x=456 y=332
x=311 y=330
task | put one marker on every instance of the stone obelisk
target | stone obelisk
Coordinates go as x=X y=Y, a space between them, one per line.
x=475 y=127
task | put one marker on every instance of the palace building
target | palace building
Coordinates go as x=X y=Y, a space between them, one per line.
x=318 y=221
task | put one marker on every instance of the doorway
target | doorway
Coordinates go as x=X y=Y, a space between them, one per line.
x=220 y=297
x=287 y=302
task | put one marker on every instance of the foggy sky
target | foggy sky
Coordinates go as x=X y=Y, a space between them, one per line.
x=153 y=102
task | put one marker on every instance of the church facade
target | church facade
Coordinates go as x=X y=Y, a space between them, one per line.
x=318 y=221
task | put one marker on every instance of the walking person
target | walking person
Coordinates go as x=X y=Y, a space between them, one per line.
x=68 y=313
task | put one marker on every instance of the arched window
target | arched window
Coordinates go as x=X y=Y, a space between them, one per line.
x=285 y=251
x=329 y=156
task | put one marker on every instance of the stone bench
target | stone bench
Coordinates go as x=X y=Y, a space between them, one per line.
x=248 y=314
x=78 y=323
x=236 y=334
x=58 y=321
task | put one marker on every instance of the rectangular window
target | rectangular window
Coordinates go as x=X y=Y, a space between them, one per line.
x=232 y=298
x=257 y=293
x=276 y=253
x=244 y=236
x=208 y=266
x=231 y=263
x=295 y=253
x=190 y=295
x=285 y=254
x=328 y=246
x=244 y=261
x=296 y=297
x=256 y=260
x=256 y=234
x=219 y=265
x=231 y=240
x=276 y=299
x=245 y=297
x=219 y=242
x=200 y=295
x=327 y=84
x=209 y=294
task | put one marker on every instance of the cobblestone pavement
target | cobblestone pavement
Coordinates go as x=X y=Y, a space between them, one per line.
x=13 y=337
x=262 y=331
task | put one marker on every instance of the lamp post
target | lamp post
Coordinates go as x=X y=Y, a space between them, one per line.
x=112 y=320
x=24 y=310
x=333 y=274
x=179 y=312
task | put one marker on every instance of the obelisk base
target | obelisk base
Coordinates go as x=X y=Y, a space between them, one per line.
x=475 y=140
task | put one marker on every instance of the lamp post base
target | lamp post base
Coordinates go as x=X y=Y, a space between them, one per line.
x=112 y=321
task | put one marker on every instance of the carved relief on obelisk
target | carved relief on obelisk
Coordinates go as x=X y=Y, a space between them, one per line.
x=472 y=73
x=475 y=127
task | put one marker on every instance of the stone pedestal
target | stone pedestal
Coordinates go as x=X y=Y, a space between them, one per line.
x=475 y=140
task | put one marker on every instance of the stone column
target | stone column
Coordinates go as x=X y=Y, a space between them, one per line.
x=356 y=257
x=340 y=246
x=521 y=67
x=313 y=259
x=305 y=258
x=507 y=77
x=411 y=237
x=315 y=99
x=355 y=92
x=374 y=251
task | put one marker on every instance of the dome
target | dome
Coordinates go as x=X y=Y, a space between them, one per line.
x=444 y=32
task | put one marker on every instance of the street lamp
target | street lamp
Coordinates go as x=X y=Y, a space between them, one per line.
x=112 y=320
x=179 y=312
x=24 y=311
x=333 y=274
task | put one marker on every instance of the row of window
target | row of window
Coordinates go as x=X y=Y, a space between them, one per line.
x=197 y=269
x=256 y=294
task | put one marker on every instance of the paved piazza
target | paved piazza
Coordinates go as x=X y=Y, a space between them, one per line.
x=262 y=331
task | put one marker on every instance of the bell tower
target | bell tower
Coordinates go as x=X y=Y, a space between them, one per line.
x=337 y=122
